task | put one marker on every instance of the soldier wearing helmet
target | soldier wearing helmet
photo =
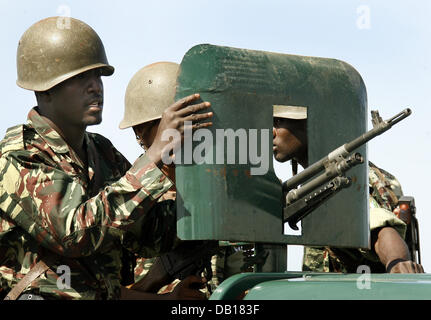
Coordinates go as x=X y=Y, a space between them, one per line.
x=389 y=251
x=150 y=91
x=68 y=199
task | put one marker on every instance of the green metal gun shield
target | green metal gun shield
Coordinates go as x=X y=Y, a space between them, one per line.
x=221 y=200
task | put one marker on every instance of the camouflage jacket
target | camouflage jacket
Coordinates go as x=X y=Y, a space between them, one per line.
x=384 y=193
x=228 y=261
x=89 y=220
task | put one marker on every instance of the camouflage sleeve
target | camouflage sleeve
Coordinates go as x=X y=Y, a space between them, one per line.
x=143 y=265
x=381 y=217
x=153 y=233
x=54 y=208
x=384 y=187
x=385 y=190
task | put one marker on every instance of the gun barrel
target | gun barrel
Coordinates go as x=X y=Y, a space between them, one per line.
x=304 y=206
x=336 y=169
x=400 y=116
x=377 y=130
x=344 y=150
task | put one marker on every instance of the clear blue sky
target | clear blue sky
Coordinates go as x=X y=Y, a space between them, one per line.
x=388 y=42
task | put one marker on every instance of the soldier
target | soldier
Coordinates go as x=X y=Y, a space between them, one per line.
x=150 y=91
x=70 y=203
x=389 y=251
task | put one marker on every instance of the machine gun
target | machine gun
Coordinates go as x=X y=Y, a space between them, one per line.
x=303 y=200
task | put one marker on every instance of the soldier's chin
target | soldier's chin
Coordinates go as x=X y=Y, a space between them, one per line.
x=281 y=157
x=94 y=121
x=277 y=156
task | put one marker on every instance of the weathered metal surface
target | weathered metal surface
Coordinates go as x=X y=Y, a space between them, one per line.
x=224 y=201
x=325 y=286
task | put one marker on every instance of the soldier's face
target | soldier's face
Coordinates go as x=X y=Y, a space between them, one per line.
x=286 y=141
x=146 y=132
x=79 y=100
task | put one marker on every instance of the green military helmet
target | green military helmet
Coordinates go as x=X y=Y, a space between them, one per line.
x=290 y=112
x=51 y=51
x=150 y=91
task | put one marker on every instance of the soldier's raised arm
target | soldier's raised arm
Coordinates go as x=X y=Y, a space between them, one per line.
x=68 y=193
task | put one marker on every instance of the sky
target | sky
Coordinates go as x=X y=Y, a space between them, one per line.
x=386 y=41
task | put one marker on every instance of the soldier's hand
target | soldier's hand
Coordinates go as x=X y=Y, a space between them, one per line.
x=188 y=289
x=172 y=126
x=407 y=267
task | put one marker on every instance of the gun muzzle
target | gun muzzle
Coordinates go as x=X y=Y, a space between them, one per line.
x=400 y=116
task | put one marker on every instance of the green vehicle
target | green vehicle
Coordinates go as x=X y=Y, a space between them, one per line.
x=230 y=192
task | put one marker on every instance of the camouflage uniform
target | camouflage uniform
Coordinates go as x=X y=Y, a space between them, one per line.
x=384 y=193
x=143 y=265
x=228 y=261
x=50 y=205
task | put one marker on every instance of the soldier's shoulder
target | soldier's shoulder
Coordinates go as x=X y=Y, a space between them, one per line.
x=378 y=175
x=19 y=137
x=13 y=139
x=376 y=169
